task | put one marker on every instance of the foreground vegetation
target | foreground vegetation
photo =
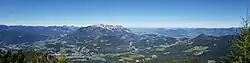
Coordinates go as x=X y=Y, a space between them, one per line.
x=30 y=57
x=240 y=50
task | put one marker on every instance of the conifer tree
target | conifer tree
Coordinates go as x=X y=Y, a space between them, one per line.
x=20 y=57
x=240 y=50
x=63 y=57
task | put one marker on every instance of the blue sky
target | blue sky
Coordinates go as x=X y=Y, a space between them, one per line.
x=129 y=13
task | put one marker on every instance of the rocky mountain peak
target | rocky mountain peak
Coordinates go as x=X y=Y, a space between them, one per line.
x=107 y=26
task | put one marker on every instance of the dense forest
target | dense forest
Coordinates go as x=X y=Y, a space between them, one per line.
x=30 y=57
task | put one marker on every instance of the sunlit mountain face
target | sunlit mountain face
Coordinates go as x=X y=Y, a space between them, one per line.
x=112 y=43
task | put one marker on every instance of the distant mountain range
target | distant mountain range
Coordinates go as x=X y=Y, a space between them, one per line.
x=187 y=32
x=171 y=32
x=113 y=43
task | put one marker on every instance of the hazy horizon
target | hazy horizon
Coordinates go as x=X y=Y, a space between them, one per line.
x=119 y=25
